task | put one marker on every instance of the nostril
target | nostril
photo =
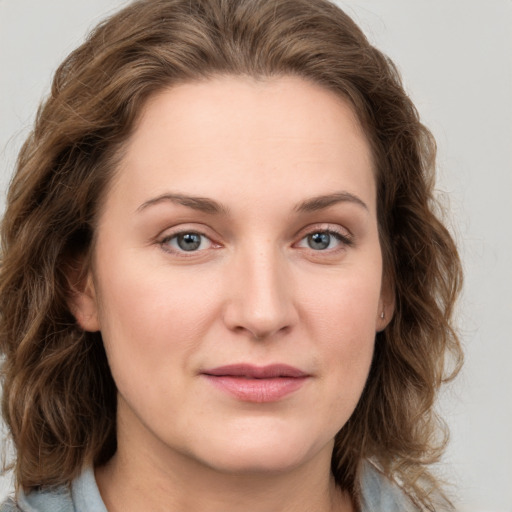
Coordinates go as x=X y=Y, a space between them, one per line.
x=262 y=334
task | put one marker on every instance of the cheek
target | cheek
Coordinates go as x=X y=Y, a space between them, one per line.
x=343 y=306
x=149 y=318
x=343 y=320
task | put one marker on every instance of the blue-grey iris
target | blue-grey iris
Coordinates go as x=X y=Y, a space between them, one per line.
x=319 y=241
x=188 y=241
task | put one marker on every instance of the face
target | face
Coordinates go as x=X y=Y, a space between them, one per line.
x=237 y=274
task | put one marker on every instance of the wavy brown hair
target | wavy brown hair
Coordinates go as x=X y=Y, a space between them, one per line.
x=59 y=398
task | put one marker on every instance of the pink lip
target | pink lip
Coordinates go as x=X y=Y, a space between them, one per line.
x=257 y=384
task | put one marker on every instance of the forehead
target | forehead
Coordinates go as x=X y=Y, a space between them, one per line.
x=283 y=106
x=234 y=133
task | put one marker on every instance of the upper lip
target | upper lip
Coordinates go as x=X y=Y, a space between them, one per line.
x=256 y=372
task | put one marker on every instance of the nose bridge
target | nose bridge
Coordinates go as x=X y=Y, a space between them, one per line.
x=260 y=301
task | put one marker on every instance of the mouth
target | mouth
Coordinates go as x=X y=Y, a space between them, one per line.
x=258 y=384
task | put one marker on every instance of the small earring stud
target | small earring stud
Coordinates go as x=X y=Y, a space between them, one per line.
x=382 y=315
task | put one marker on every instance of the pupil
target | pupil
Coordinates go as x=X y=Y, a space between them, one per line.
x=319 y=241
x=189 y=241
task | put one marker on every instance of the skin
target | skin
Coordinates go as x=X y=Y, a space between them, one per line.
x=255 y=291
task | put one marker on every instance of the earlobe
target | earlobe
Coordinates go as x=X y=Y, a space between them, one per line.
x=383 y=319
x=386 y=307
x=82 y=303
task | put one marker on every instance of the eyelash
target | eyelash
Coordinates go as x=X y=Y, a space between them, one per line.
x=344 y=240
x=165 y=242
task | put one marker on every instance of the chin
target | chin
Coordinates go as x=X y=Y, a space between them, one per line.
x=256 y=463
x=263 y=454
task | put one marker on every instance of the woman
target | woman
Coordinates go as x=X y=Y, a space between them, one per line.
x=223 y=282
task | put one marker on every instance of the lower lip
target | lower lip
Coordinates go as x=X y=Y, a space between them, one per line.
x=258 y=390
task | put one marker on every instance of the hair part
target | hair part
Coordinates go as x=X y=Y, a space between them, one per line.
x=59 y=397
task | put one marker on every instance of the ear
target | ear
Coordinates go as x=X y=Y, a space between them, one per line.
x=82 y=299
x=386 y=305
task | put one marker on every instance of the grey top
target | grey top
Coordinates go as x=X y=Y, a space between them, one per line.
x=379 y=495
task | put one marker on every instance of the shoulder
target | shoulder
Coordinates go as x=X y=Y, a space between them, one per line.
x=51 y=500
x=9 y=506
x=379 y=494
x=82 y=495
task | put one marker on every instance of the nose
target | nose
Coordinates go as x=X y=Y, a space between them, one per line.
x=260 y=295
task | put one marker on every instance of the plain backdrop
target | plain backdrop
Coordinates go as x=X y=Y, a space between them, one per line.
x=456 y=60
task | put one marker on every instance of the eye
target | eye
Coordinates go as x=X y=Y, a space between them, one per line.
x=189 y=241
x=323 y=240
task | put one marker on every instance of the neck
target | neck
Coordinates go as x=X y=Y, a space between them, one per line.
x=125 y=490
x=160 y=479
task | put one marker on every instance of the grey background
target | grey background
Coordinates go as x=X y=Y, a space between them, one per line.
x=456 y=60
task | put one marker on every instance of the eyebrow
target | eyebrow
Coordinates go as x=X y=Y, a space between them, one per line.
x=210 y=206
x=202 y=204
x=320 y=202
